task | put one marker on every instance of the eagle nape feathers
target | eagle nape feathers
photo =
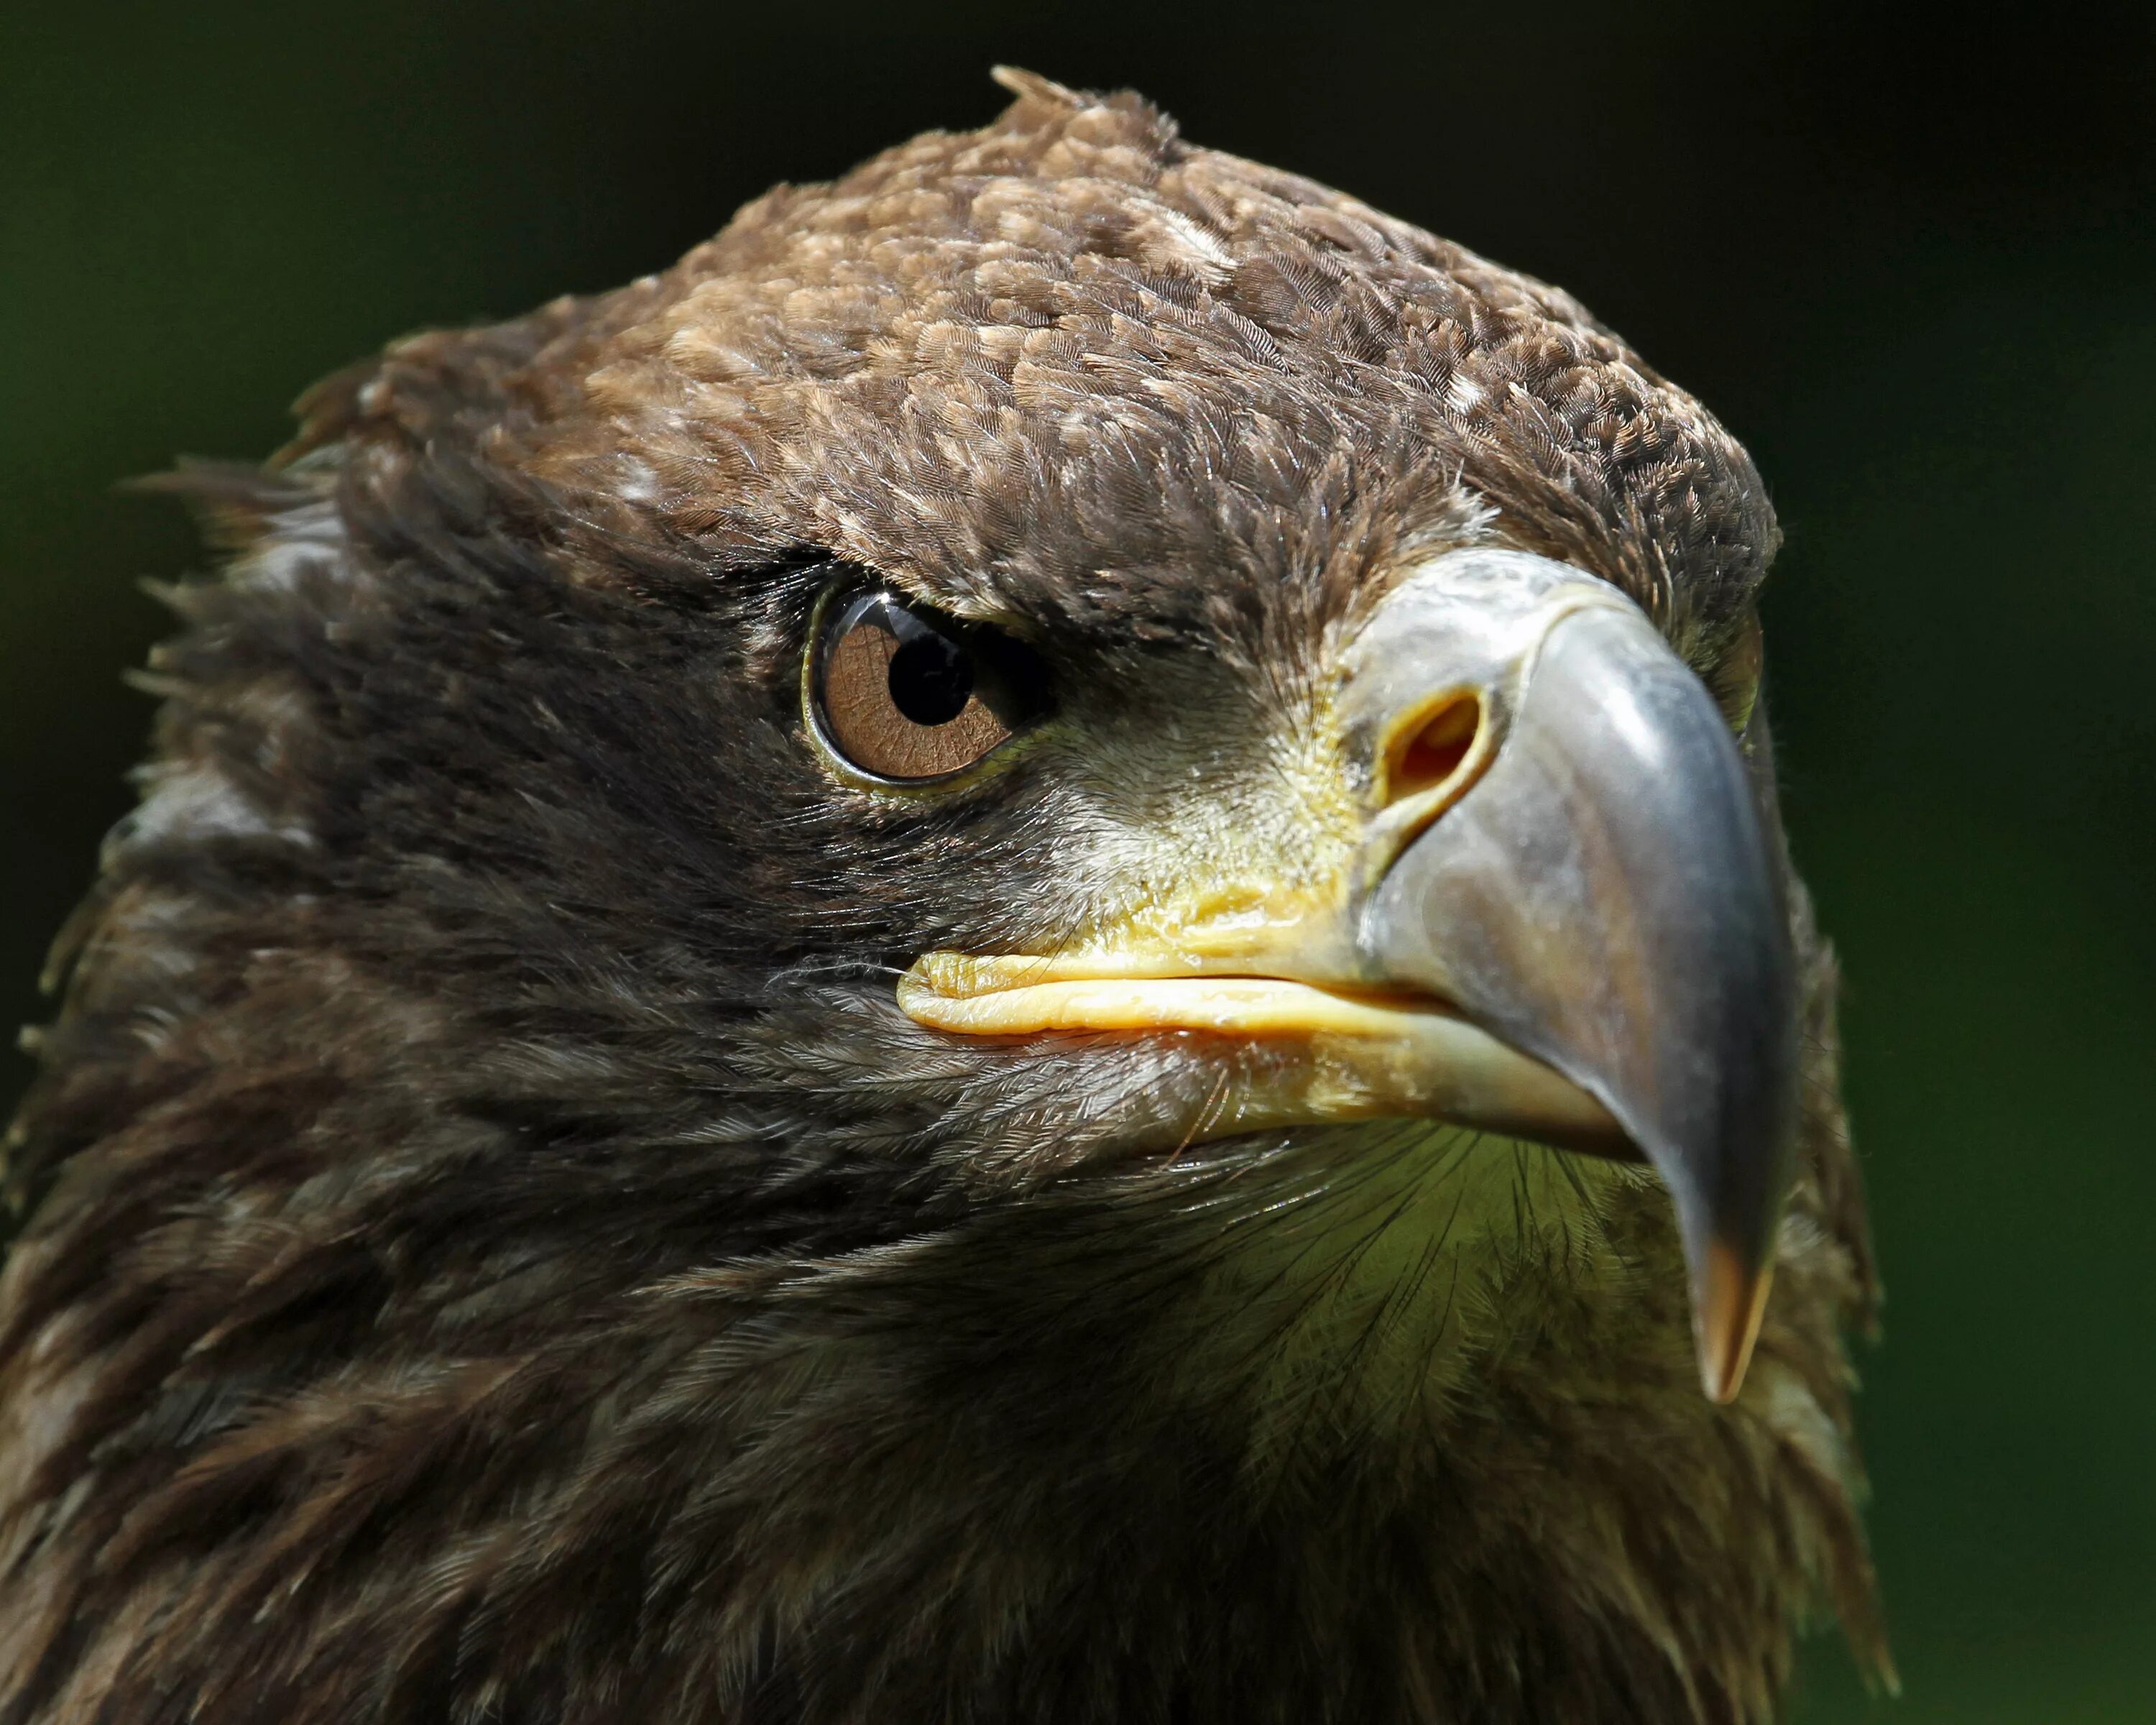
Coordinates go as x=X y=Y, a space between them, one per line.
x=1018 y=952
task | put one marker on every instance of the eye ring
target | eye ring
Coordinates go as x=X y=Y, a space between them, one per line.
x=902 y=694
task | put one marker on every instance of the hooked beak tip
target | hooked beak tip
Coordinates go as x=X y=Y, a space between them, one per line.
x=1730 y=1303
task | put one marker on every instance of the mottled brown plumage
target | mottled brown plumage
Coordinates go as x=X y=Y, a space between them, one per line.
x=494 y=1247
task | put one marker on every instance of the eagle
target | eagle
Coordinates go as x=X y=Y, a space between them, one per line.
x=1018 y=952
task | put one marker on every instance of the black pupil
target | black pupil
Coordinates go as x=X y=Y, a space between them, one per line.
x=931 y=679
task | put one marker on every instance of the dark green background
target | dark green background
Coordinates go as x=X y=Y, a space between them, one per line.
x=1911 y=262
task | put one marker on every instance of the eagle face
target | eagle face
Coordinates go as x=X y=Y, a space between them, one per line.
x=1020 y=953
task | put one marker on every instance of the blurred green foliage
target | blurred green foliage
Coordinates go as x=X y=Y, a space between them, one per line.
x=1911 y=261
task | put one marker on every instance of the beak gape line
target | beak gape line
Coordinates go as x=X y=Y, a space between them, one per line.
x=1577 y=932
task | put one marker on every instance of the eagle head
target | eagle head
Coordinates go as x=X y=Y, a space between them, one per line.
x=1019 y=951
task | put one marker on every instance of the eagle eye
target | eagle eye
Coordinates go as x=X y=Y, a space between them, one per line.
x=902 y=694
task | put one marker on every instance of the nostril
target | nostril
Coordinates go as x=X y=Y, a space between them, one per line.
x=1430 y=752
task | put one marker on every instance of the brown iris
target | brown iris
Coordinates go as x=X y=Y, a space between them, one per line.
x=905 y=695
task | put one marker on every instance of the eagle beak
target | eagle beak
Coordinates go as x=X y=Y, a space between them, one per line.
x=1594 y=886
x=1565 y=922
